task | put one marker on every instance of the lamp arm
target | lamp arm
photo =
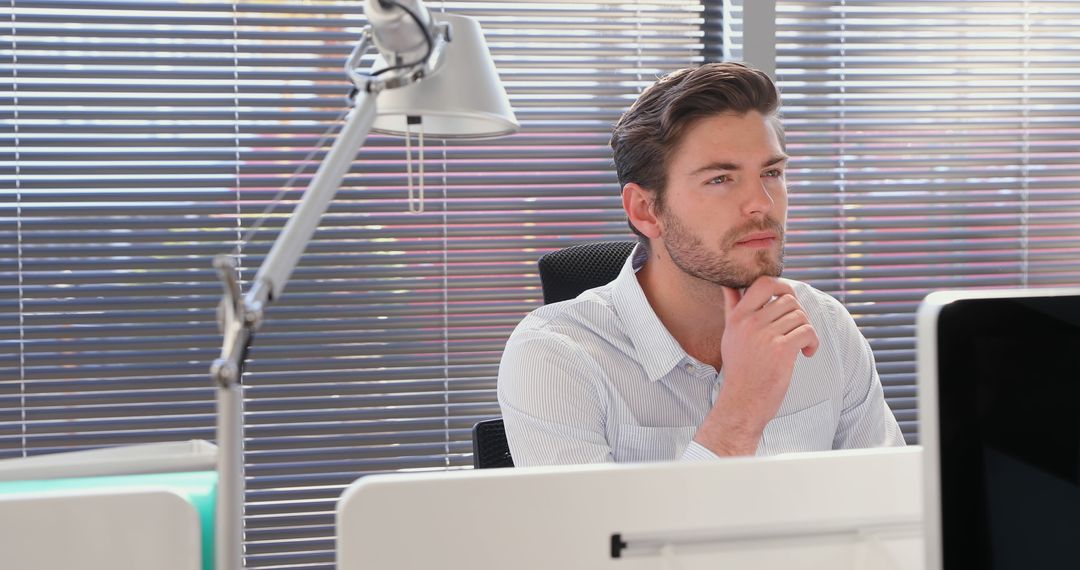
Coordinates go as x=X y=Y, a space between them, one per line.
x=285 y=254
x=239 y=318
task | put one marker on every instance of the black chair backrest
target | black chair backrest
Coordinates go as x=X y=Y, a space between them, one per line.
x=489 y=445
x=566 y=273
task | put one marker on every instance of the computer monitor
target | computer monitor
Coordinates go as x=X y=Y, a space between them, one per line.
x=841 y=509
x=999 y=400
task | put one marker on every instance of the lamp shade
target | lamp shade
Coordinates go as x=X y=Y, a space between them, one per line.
x=462 y=98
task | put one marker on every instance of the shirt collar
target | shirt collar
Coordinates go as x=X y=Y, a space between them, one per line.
x=657 y=351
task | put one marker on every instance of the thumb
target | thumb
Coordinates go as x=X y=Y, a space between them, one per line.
x=731 y=298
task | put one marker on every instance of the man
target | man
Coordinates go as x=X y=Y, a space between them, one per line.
x=698 y=349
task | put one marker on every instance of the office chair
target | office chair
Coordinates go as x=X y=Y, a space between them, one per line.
x=489 y=445
x=564 y=274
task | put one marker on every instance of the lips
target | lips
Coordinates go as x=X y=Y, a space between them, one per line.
x=758 y=238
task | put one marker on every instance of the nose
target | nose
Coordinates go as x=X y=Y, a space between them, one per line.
x=759 y=199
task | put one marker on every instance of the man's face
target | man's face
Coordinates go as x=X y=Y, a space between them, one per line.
x=725 y=206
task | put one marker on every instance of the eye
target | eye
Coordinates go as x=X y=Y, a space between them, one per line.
x=774 y=173
x=720 y=179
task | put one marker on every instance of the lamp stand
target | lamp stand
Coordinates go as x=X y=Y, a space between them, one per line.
x=240 y=316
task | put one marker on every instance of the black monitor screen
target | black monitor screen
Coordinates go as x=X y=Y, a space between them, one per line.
x=1009 y=417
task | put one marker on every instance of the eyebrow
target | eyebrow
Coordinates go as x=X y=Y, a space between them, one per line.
x=732 y=166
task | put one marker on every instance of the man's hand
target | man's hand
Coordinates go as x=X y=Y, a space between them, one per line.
x=765 y=330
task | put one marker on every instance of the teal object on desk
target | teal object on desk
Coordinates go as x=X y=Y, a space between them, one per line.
x=198 y=487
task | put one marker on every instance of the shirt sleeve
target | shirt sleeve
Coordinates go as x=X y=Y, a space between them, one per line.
x=865 y=420
x=697 y=452
x=552 y=408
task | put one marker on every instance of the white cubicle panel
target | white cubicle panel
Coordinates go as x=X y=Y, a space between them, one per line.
x=836 y=510
x=166 y=457
x=134 y=529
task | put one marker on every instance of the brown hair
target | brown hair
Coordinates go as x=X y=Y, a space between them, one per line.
x=649 y=131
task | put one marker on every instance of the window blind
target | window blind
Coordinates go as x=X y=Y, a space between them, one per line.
x=931 y=145
x=934 y=147
x=141 y=138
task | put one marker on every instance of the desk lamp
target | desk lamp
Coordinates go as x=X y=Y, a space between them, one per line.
x=433 y=75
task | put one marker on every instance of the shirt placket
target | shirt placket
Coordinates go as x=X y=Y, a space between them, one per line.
x=704 y=373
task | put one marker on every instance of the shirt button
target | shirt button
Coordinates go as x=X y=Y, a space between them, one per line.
x=689 y=367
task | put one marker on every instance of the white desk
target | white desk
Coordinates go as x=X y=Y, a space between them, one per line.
x=89 y=529
x=851 y=509
x=124 y=508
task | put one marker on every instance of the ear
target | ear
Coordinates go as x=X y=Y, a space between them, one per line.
x=638 y=203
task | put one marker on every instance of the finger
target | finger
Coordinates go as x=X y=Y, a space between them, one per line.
x=731 y=298
x=759 y=292
x=780 y=306
x=763 y=289
x=805 y=337
x=788 y=322
x=811 y=350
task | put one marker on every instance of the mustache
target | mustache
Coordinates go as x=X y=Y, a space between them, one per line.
x=766 y=224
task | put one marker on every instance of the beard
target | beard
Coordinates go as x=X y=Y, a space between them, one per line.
x=688 y=253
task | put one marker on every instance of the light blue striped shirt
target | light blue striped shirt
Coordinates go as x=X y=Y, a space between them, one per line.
x=599 y=379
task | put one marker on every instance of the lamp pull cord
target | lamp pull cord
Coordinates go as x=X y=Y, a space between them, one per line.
x=416 y=197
